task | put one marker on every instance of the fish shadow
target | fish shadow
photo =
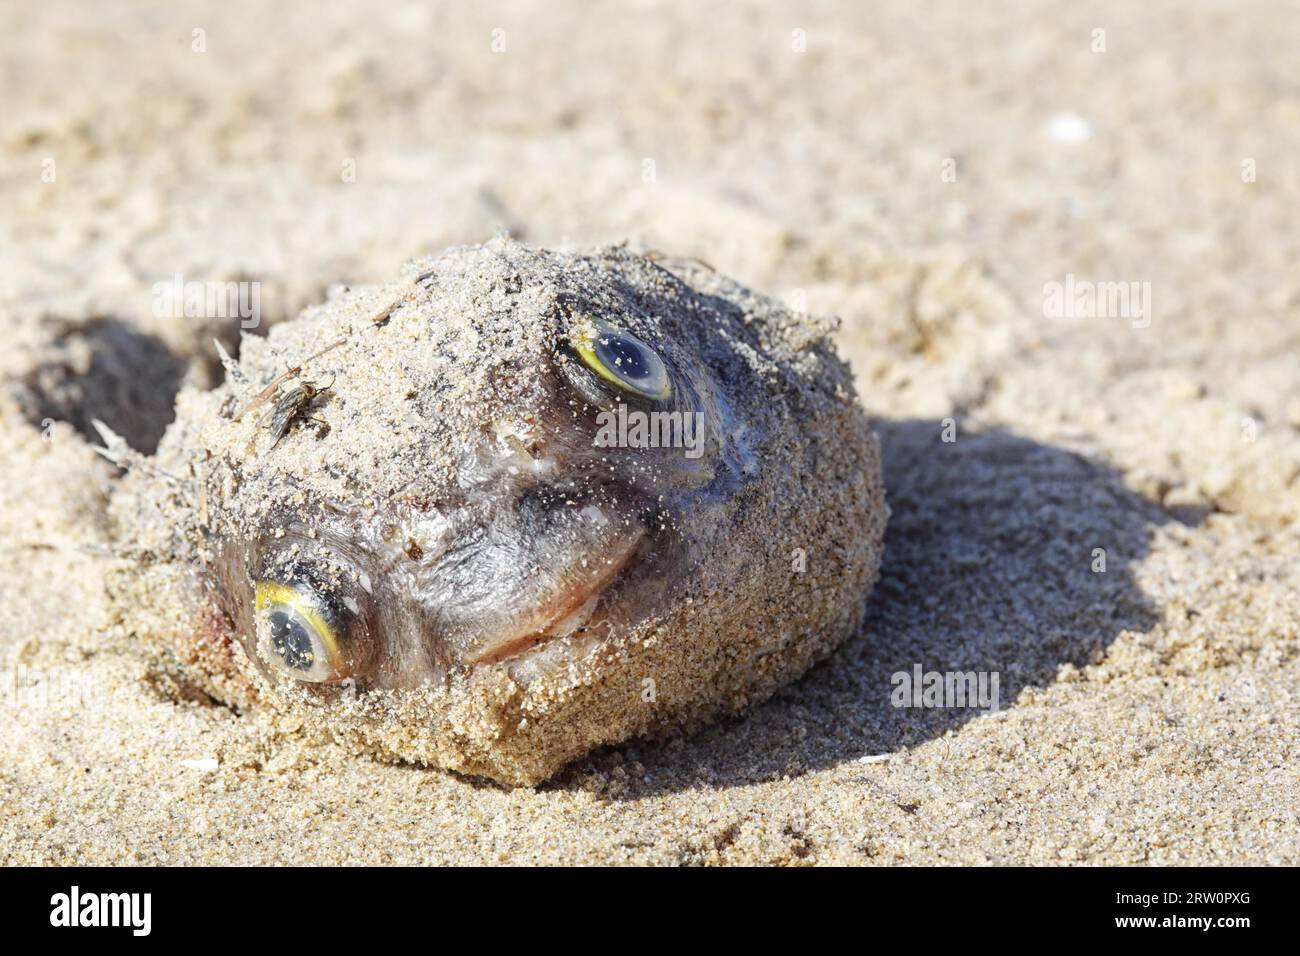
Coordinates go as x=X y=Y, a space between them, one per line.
x=103 y=368
x=990 y=565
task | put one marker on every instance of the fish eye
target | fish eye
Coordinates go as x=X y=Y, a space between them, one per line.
x=621 y=359
x=300 y=634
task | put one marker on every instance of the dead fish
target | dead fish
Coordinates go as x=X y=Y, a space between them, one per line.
x=564 y=500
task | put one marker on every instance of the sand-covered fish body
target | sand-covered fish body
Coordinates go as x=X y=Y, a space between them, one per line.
x=547 y=502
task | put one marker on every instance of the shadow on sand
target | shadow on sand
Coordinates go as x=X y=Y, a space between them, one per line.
x=988 y=567
x=103 y=368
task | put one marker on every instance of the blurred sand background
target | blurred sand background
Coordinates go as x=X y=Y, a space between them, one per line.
x=1149 y=713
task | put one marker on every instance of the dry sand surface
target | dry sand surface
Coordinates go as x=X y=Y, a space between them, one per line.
x=1149 y=712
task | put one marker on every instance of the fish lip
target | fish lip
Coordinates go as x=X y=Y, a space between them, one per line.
x=583 y=601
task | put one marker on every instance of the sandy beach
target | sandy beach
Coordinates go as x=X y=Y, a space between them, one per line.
x=1057 y=241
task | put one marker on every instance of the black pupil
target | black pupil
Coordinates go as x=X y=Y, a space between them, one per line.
x=623 y=357
x=290 y=640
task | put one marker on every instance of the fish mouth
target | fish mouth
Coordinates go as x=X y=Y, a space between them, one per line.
x=416 y=597
x=566 y=611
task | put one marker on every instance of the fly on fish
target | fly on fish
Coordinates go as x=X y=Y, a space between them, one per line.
x=292 y=401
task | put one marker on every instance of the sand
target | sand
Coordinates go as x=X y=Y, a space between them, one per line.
x=921 y=173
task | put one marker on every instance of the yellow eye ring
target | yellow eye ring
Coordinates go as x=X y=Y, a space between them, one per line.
x=295 y=636
x=621 y=359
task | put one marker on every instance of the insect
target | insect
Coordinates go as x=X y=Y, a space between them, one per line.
x=291 y=394
x=294 y=396
x=276 y=386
